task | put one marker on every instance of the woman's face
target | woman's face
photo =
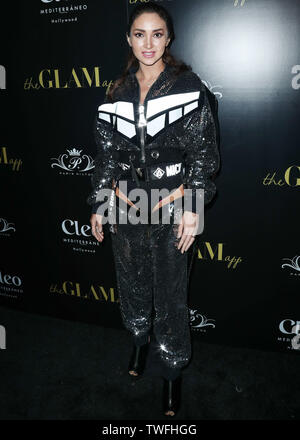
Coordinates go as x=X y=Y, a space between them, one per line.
x=148 y=38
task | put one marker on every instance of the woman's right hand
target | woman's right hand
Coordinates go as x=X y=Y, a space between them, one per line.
x=97 y=228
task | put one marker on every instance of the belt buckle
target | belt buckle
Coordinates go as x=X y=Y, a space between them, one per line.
x=142 y=173
x=139 y=171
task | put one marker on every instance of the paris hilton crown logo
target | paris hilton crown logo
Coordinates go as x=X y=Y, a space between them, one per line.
x=198 y=321
x=5 y=226
x=73 y=161
x=293 y=264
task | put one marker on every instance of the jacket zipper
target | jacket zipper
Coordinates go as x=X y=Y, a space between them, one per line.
x=142 y=116
x=142 y=127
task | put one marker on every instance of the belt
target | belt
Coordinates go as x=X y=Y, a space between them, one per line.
x=153 y=156
x=153 y=173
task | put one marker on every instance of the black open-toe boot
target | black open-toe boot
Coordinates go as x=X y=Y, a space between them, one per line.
x=171 y=395
x=138 y=359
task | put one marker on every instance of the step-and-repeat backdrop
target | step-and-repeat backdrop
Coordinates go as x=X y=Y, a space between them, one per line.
x=57 y=59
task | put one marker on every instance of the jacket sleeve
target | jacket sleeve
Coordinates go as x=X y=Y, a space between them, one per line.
x=202 y=159
x=105 y=163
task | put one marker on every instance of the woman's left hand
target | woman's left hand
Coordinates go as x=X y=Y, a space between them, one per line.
x=187 y=230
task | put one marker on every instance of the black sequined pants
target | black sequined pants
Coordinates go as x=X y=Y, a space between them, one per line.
x=151 y=274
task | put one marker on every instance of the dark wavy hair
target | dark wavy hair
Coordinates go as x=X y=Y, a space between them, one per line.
x=168 y=58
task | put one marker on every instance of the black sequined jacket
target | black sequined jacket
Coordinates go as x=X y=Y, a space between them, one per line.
x=177 y=124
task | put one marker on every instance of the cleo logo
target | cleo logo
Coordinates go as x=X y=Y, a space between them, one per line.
x=289 y=327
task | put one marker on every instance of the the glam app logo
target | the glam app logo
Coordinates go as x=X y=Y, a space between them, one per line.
x=296 y=77
x=73 y=162
x=206 y=251
x=199 y=322
x=94 y=292
x=78 y=78
x=240 y=3
x=290 y=177
x=6 y=228
x=293 y=264
x=2 y=78
x=10 y=285
x=63 y=11
x=79 y=236
x=8 y=161
x=291 y=331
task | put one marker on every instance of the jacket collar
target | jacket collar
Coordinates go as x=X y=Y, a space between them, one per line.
x=158 y=83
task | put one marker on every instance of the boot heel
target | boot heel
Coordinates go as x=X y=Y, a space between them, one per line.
x=171 y=396
x=138 y=359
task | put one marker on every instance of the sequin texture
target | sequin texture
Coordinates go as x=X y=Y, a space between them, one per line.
x=151 y=272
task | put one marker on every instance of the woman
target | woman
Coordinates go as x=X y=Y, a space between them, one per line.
x=155 y=130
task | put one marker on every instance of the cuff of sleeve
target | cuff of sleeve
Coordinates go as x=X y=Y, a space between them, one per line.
x=96 y=205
